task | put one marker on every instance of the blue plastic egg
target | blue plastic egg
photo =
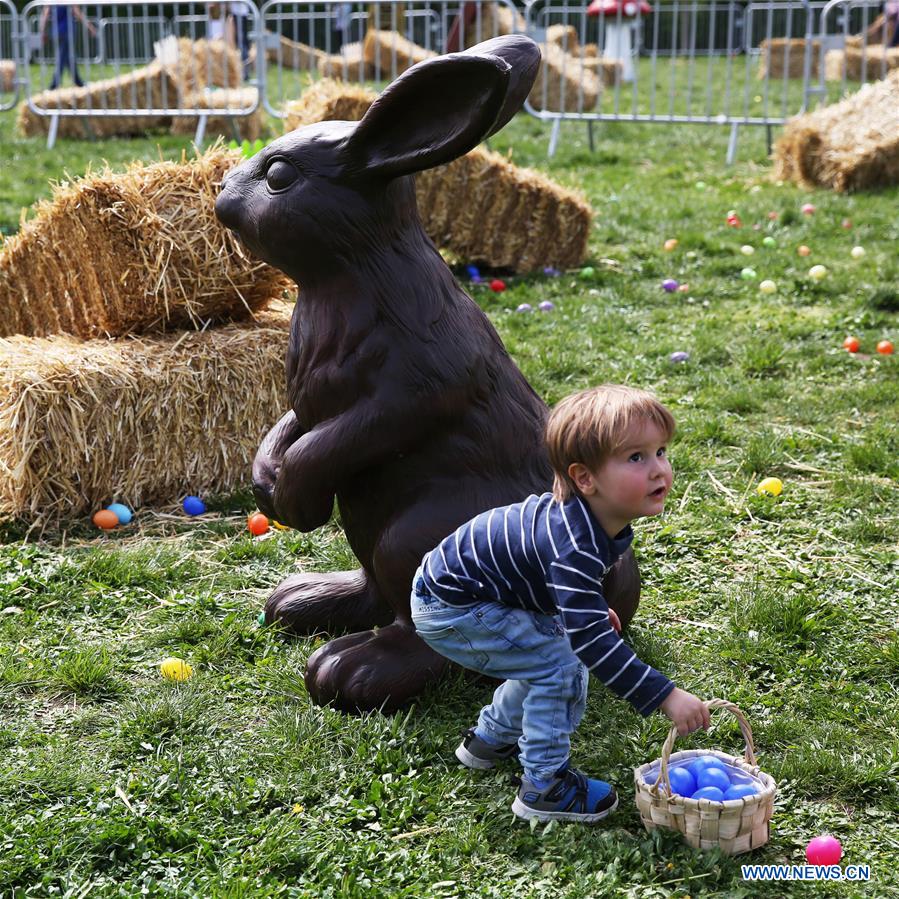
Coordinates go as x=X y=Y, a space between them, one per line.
x=712 y=793
x=193 y=505
x=121 y=511
x=709 y=761
x=738 y=791
x=713 y=777
x=682 y=781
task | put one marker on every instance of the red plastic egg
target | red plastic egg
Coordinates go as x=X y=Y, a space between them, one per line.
x=885 y=348
x=257 y=524
x=497 y=285
x=105 y=519
x=853 y=344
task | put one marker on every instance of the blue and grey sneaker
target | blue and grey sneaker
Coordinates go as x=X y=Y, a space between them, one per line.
x=570 y=796
x=474 y=752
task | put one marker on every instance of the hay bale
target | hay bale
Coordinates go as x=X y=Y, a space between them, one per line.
x=134 y=251
x=294 y=55
x=327 y=100
x=847 y=146
x=140 y=420
x=389 y=53
x=150 y=87
x=199 y=64
x=7 y=76
x=480 y=207
x=607 y=70
x=785 y=58
x=860 y=63
x=564 y=36
x=569 y=82
x=248 y=126
x=494 y=21
x=348 y=65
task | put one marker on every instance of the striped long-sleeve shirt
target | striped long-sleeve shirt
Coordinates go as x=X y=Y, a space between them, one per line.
x=549 y=557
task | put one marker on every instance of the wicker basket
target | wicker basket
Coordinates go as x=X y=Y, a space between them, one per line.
x=734 y=826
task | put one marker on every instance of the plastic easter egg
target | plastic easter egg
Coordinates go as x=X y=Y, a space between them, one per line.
x=709 y=761
x=769 y=241
x=683 y=288
x=808 y=209
x=770 y=487
x=747 y=249
x=497 y=285
x=748 y=274
x=713 y=793
x=473 y=272
x=682 y=781
x=670 y=244
x=669 y=285
x=738 y=791
x=105 y=520
x=121 y=511
x=817 y=272
x=804 y=251
x=278 y=526
x=772 y=216
x=824 y=850
x=734 y=221
x=712 y=777
x=768 y=286
x=679 y=356
x=257 y=524
x=546 y=306
x=551 y=272
x=524 y=307
x=260 y=618
x=193 y=505
x=587 y=272
x=857 y=252
x=175 y=669
x=885 y=348
x=701 y=185
x=852 y=344
x=846 y=223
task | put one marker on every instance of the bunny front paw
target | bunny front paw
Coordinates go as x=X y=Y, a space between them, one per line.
x=303 y=510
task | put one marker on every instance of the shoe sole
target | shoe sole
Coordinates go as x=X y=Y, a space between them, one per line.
x=472 y=761
x=526 y=813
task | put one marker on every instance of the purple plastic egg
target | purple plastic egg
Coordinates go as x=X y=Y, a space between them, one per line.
x=525 y=307
x=679 y=356
x=551 y=272
x=546 y=306
x=670 y=285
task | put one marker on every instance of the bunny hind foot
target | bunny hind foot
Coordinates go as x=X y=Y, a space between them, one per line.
x=331 y=602
x=381 y=670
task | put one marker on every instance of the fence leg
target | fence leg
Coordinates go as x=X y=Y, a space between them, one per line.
x=201 y=130
x=768 y=138
x=590 y=136
x=554 y=137
x=51 y=132
x=732 y=143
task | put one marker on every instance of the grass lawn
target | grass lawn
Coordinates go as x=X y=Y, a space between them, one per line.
x=115 y=783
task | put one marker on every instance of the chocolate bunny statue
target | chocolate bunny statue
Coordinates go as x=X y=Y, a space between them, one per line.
x=404 y=404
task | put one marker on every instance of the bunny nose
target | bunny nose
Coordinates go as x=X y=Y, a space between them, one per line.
x=227 y=207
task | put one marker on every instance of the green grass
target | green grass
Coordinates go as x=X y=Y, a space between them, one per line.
x=115 y=783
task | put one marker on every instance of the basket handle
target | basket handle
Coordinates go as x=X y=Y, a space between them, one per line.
x=711 y=704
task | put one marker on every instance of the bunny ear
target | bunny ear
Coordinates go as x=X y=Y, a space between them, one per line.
x=433 y=113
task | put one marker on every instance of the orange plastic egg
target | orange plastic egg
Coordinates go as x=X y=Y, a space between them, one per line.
x=885 y=348
x=105 y=519
x=852 y=344
x=804 y=251
x=257 y=524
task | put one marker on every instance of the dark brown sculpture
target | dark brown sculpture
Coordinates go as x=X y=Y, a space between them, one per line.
x=405 y=406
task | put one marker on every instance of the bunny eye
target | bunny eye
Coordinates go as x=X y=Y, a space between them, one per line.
x=280 y=175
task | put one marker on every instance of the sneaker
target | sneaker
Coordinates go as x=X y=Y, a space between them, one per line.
x=571 y=796
x=474 y=752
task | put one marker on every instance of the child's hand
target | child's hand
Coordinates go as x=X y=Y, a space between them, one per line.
x=685 y=710
x=615 y=620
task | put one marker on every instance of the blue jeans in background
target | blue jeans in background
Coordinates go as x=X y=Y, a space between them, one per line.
x=544 y=695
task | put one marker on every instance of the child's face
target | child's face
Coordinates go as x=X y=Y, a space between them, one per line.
x=632 y=483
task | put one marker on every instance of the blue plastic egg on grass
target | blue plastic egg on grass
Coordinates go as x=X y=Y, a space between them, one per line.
x=121 y=511
x=193 y=505
x=713 y=777
x=738 y=791
x=712 y=793
x=682 y=781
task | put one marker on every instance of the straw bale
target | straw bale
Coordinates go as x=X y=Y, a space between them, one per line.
x=139 y=420
x=348 y=65
x=390 y=53
x=494 y=21
x=564 y=36
x=149 y=87
x=7 y=76
x=847 y=146
x=481 y=207
x=327 y=100
x=607 y=70
x=294 y=55
x=202 y=63
x=590 y=50
x=248 y=126
x=133 y=251
x=785 y=58
x=859 y=63
x=570 y=84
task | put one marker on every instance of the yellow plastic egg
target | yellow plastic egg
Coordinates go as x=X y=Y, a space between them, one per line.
x=770 y=487
x=857 y=252
x=817 y=272
x=768 y=286
x=175 y=669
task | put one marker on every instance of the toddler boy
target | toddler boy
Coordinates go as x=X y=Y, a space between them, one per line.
x=516 y=594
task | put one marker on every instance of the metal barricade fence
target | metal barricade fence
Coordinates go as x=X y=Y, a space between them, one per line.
x=9 y=55
x=132 y=65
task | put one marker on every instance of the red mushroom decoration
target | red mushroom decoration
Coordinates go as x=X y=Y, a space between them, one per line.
x=618 y=27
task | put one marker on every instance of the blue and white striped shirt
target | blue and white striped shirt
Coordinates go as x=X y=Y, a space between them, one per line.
x=545 y=556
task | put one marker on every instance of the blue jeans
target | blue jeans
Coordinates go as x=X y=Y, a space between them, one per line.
x=544 y=693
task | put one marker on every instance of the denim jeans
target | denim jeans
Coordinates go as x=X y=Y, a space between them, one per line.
x=542 y=699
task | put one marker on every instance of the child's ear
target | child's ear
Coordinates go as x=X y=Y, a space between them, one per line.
x=582 y=477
